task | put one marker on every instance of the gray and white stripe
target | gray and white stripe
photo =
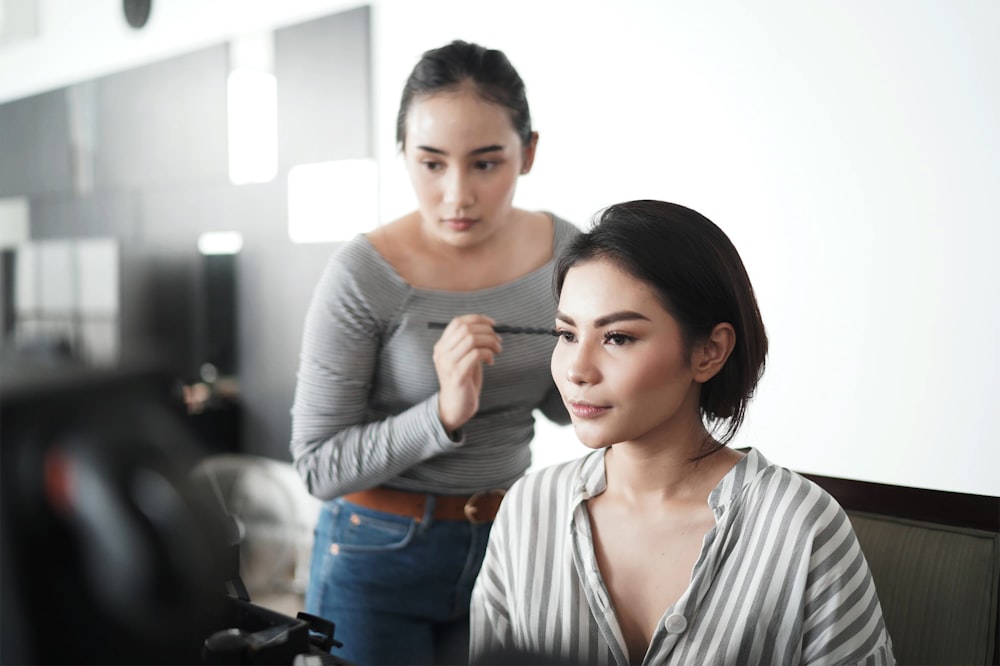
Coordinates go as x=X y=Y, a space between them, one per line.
x=365 y=407
x=781 y=578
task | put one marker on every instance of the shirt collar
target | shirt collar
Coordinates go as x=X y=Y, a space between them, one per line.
x=731 y=486
x=592 y=480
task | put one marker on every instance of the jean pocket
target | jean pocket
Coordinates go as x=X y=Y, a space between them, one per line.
x=359 y=529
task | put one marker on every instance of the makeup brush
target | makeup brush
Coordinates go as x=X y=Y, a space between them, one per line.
x=502 y=328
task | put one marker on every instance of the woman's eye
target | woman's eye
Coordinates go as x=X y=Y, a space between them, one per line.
x=618 y=339
x=432 y=166
x=486 y=165
x=564 y=335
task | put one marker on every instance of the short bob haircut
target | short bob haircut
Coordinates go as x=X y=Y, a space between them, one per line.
x=701 y=281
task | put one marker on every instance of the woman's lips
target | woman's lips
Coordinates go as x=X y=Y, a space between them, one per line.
x=459 y=223
x=586 y=410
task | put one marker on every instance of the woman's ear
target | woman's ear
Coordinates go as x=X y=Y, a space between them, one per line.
x=528 y=153
x=711 y=354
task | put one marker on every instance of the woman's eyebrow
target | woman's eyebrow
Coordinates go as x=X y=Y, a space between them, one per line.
x=486 y=149
x=623 y=315
x=492 y=148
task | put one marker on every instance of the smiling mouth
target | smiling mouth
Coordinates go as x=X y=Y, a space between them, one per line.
x=585 y=410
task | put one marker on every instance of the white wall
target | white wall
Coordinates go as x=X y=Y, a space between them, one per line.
x=851 y=150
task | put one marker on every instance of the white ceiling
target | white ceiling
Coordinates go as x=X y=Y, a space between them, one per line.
x=48 y=44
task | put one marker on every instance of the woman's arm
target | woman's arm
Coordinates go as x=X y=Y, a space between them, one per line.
x=843 y=621
x=336 y=446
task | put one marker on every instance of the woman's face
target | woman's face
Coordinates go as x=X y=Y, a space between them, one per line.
x=620 y=362
x=463 y=157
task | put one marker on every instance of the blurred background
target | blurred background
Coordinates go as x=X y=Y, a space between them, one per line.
x=174 y=176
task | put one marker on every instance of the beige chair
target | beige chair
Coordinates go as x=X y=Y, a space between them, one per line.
x=275 y=516
x=935 y=558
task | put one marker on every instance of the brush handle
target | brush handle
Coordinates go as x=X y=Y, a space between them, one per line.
x=501 y=328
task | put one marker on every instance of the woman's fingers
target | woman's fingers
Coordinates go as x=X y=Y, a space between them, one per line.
x=460 y=384
x=464 y=334
x=465 y=345
x=470 y=330
x=455 y=349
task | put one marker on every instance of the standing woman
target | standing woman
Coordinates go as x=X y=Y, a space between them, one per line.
x=412 y=433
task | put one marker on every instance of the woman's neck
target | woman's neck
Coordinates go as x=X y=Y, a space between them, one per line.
x=426 y=262
x=644 y=473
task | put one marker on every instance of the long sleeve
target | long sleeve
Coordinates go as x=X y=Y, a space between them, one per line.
x=337 y=446
x=843 y=621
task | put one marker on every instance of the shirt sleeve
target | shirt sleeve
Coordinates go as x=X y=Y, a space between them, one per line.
x=336 y=447
x=843 y=622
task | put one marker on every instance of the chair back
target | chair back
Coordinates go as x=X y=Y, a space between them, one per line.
x=935 y=559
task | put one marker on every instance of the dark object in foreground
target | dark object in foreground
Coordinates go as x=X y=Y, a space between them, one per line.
x=111 y=554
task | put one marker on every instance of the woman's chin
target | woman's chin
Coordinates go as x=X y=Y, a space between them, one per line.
x=589 y=438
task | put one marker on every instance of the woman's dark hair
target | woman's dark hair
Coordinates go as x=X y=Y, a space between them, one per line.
x=448 y=67
x=700 y=280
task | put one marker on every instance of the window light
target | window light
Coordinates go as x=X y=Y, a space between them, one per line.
x=332 y=201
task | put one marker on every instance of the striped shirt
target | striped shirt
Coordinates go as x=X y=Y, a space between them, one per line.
x=365 y=408
x=780 y=579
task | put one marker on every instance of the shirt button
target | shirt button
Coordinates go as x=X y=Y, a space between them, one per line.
x=675 y=623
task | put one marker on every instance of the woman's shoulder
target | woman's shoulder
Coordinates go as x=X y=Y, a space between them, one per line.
x=355 y=253
x=394 y=239
x=356 y=271
x=772 y=489
x=563 y=231
x=772 y=499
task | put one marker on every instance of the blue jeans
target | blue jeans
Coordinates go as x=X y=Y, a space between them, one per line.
x=396 y=589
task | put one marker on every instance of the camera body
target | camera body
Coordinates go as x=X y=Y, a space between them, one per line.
x=111 y=553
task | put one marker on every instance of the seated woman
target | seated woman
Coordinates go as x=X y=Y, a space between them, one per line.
x=664 y=545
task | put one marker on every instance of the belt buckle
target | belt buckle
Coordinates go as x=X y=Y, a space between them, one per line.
x=471 y=509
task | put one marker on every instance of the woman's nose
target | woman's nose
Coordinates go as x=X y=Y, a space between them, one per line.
x=458 y=190
x=581 y=368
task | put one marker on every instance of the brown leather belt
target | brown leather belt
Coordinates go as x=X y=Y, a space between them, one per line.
x=477 y=508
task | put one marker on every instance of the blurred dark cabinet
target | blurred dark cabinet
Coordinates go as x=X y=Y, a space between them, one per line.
x=219 y=426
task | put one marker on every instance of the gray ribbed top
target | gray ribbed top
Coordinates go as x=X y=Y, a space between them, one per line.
x=365 y=408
